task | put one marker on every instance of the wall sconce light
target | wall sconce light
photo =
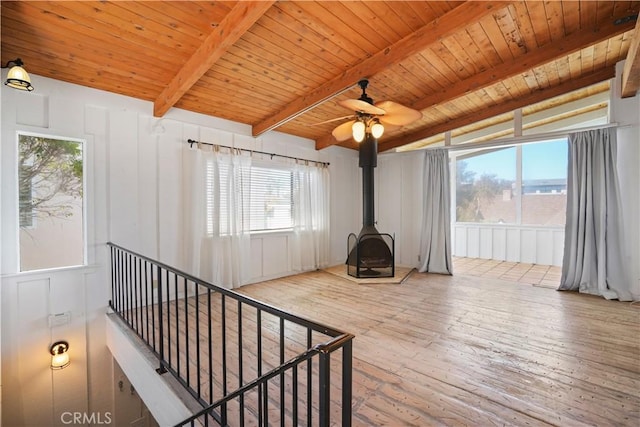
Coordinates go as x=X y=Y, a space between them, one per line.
x=59 y=355
x=17 y=77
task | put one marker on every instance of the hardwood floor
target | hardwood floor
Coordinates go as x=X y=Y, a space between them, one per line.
x=534 y=274
x=462 y=350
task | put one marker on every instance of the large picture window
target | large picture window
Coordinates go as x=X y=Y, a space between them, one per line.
x=524 y=185
x=51 y=207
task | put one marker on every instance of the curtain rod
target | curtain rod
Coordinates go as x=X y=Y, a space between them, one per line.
x=523 y=139
x=317 y=162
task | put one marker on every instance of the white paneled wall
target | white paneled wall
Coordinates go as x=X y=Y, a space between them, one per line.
x=529 y=244
x=398 y=201
x=270 y=256
x=33 y=394
x=36 y=392
x=388 y=199
x=627 y=113
x=346 y=200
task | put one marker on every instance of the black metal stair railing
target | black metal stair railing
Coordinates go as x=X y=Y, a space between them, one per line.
x=244 y=361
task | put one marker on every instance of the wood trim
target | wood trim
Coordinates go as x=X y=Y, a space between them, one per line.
x=410 y=45
x=231 y=28
x=631 y=72
x=538 y=96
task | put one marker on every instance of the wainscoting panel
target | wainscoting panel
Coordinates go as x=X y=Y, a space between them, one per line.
x=499 y=243
x=269 y=256
x=529 y=244
x=512 y=250
x=275 y=258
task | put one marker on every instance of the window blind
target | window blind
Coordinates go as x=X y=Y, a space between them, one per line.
x=269 y=189
x=271 y=198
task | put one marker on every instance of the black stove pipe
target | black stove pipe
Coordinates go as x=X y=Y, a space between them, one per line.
x=371 y=254
x=368 y=161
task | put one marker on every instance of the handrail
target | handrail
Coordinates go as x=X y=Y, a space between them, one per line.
x=211 y=339
x=334 y=344
x=248 y=300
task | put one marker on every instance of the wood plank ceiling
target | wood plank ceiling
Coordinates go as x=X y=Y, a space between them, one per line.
x=284 y=65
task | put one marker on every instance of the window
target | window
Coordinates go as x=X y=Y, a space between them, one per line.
x=544 y=183
x=487 y=185
x=50 y=205
x=26 y=199
x=271 y=198
x=484 y=187
x=267 y=186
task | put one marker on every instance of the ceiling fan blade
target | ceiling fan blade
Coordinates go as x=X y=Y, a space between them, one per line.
x=362 y=106
x=343 y=132
x=332 y=120
x=389 y=127
x=398 y=114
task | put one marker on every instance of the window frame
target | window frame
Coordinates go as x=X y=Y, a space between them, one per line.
x=84 y=205
x=518 y=181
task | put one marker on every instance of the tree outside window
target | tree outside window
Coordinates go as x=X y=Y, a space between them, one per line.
x=50 y=180
x=485 y=194
x=523 y=185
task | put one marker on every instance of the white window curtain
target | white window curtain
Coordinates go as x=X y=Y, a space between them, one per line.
x=435 y=240
x=217 y=219
x=309 y=247
x=593 y=248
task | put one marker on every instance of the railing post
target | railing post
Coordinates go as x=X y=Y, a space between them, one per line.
x=325 y=389
x=347 y=382
x=113 y=279
x=161 y=370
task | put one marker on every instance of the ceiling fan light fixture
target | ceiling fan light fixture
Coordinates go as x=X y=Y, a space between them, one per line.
x=372 y=120
x=377 y=129
x=17 y=77
x=358 y=131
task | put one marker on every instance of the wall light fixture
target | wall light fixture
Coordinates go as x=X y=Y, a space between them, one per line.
x=17 y=77
x=59 y=355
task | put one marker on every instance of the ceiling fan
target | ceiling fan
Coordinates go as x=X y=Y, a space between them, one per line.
x=372 y=118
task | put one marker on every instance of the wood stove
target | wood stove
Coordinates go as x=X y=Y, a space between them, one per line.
x=371 y=253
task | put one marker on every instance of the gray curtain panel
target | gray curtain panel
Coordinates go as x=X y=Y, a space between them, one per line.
x=435 y=240
x=593 y=245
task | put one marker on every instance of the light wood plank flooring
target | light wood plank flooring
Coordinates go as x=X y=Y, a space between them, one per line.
x=520 y=272
x=461 y=350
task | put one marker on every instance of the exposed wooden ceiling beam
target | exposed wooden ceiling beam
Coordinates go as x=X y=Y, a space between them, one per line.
x=242 y=17
x=542 y=55
x=538 y=96
x=434 y=31
x=535 y=58
x=631 y=72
